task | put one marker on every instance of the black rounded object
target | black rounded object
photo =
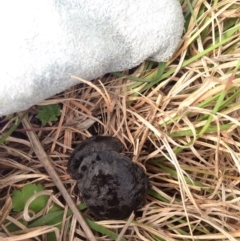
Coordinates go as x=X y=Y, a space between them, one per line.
x=111 y=185
x=87 y=147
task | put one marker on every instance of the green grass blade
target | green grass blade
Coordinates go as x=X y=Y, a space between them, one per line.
x=12 y=129
x=100 y=229
x=53 y=218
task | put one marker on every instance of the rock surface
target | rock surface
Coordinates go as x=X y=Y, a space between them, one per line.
x=44 y=42
x=87 y=147
x=110 y=184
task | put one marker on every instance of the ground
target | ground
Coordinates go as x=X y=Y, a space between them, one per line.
x=179 y=120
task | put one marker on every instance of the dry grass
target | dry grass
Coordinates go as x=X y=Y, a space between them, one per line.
x=182 y=124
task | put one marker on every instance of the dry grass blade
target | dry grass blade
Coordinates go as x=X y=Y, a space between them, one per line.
x=130 y=219
x=5 y=210
x=181 y=122
x=32 y=234
x=45 y=160
x=105 y=95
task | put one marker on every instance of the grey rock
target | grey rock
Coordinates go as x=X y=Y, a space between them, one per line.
x=44 y=42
